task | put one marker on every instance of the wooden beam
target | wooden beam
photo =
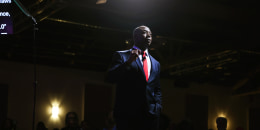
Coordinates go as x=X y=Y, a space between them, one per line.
x=248 y=93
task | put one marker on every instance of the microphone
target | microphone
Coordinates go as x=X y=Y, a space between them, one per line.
x=24 y=10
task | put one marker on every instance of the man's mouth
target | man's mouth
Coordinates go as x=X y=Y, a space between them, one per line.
x=149 y=40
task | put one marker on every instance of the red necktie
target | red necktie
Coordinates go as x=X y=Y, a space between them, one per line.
x=145 y=66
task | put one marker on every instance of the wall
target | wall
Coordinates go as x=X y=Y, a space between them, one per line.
x=220 y=103
x=66 y=87
x=61 y=85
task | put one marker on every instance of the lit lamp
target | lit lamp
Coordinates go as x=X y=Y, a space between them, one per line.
x=221 y=123
x=101 y=1
x=55 y=112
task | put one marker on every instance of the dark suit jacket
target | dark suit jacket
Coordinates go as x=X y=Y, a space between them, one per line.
x=134 y=95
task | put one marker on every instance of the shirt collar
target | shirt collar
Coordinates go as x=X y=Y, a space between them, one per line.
x=146 y=50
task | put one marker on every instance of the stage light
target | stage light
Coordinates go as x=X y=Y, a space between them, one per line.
x=101 y=1
x=55 y=112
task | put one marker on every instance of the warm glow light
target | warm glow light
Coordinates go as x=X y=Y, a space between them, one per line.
x=126 y=42
x=221 y=115
x=101 y=1
x=55 y=111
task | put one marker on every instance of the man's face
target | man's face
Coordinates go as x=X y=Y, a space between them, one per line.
x=143 y=37
x=71 y=119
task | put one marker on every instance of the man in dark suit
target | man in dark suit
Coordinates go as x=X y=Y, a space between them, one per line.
x=137 y=75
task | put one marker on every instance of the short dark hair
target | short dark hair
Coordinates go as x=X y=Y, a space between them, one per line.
x=136 y=29
x=75 y=118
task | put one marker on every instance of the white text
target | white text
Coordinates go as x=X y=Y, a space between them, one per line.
x=4 y=14
x=5 y=1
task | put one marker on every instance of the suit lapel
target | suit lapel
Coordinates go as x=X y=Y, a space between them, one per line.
x=138 y=62
x=153 y=69
x=140 y=66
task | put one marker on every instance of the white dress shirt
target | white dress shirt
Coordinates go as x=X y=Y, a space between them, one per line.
x=148 y=60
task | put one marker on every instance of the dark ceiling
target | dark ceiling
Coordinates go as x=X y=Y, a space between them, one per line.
x=212 y=41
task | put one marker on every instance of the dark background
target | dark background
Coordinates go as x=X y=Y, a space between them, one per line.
x=201 y=41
